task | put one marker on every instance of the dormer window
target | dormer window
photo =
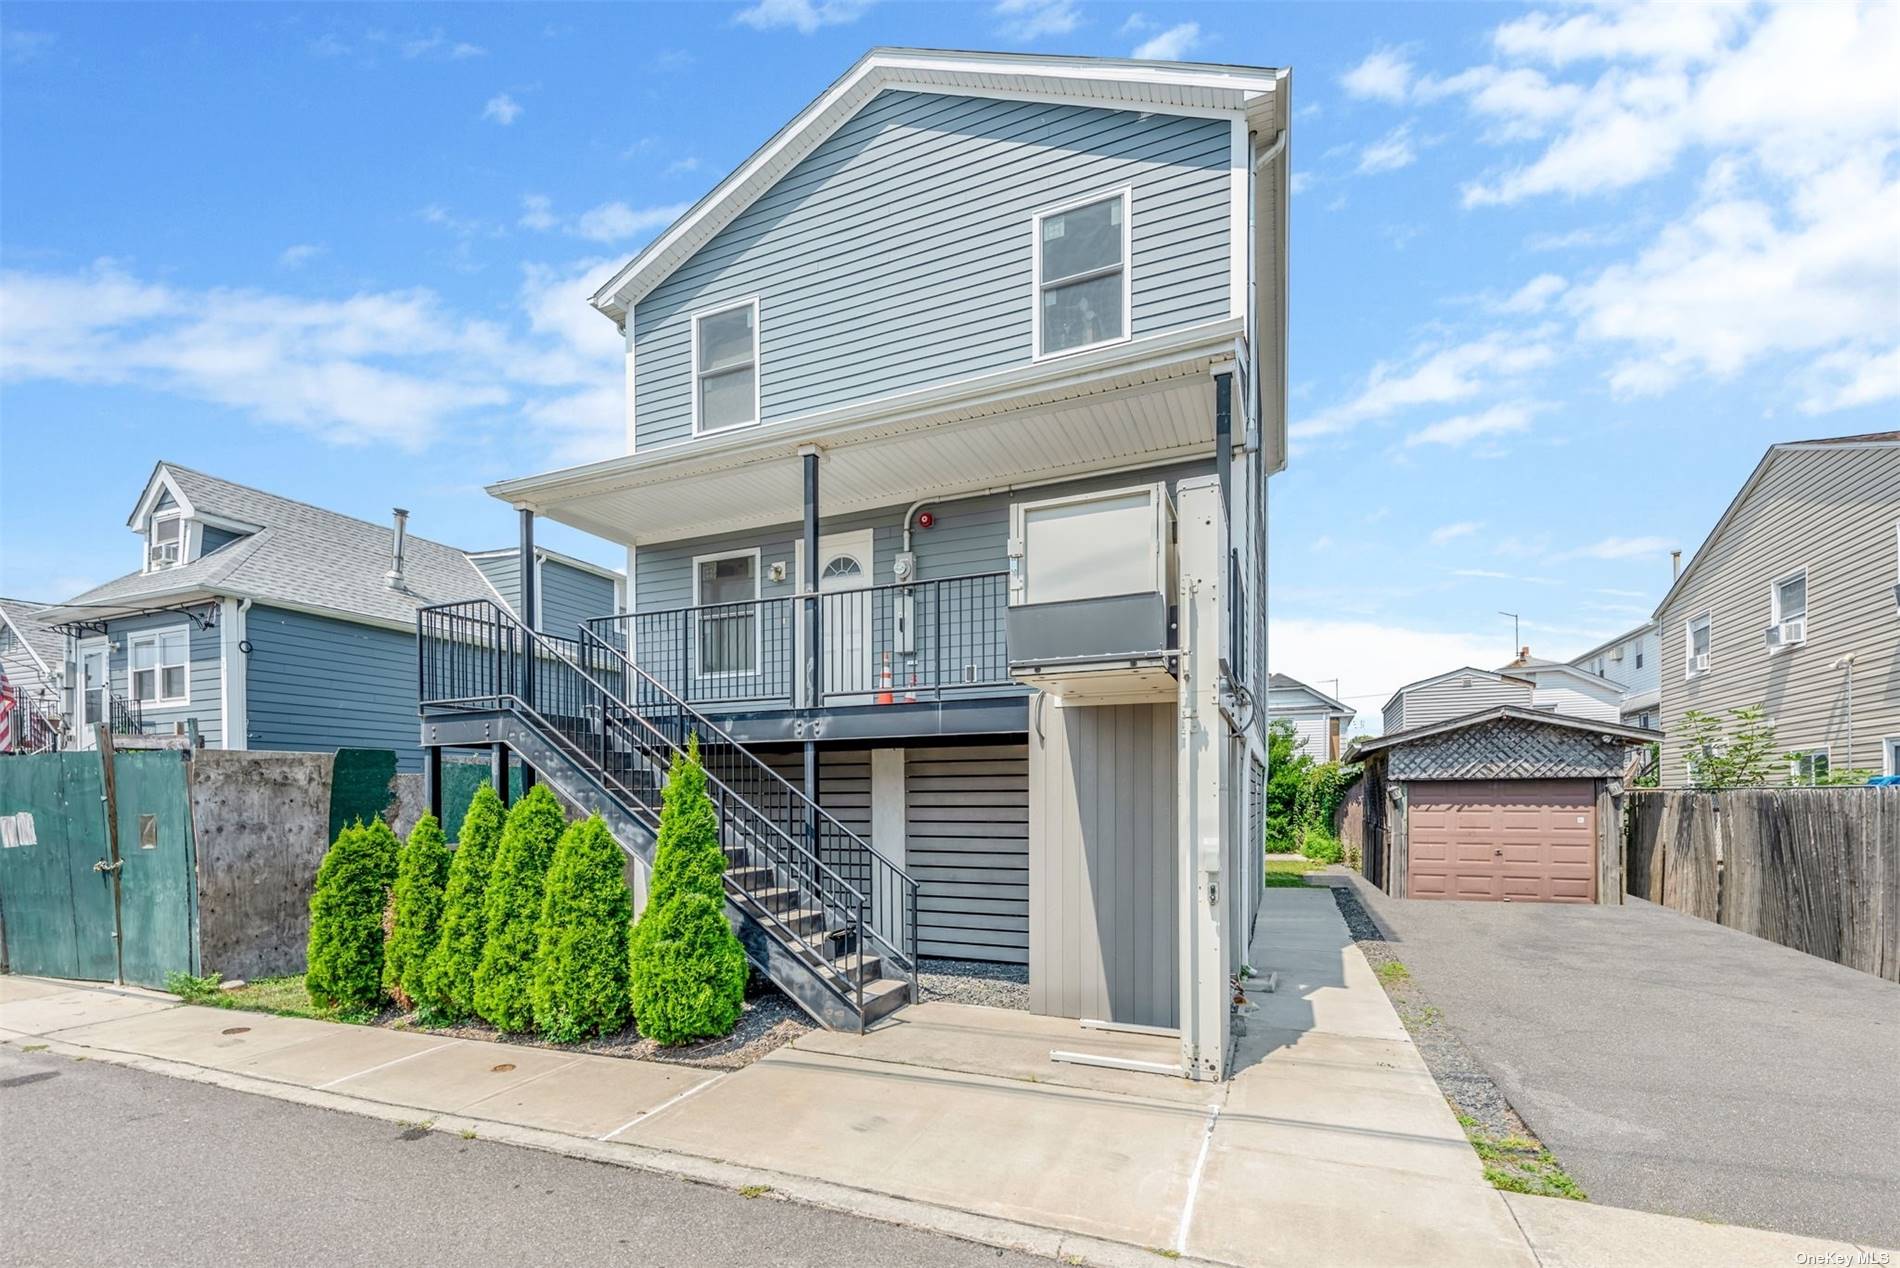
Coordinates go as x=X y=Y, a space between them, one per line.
x=1082 y=276
x=165 y=542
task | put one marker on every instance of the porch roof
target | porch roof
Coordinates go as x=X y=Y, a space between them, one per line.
x=1139 y=404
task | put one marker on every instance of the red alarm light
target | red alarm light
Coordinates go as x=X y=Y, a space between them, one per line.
x=926 y=519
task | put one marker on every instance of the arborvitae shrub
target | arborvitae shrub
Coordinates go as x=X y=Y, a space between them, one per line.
x=579 y=984
x=448 y=978
x=422 y=872
x=689 y=971
x=512 y=909
x=345 y=953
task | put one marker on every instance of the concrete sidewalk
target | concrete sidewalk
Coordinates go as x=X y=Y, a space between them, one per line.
x=1330 y=1144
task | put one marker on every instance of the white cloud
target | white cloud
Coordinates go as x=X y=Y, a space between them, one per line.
x=1374 y=659
x=1670 y=33
x=1446 y=533
x=1534 y=296
x=537 y=213
x=1389 y=153
x=1384 y=75
x=398 y=368
x=1439 y=377
x=298 y=255
x=1499 y=420
x=1025 y=20
x=616 y=221
x=1617 y=548
x=1172 y=45
x=1491 y=574
x=502 y=108
x=805 y=16
x=1301 y=182
x=436 y=44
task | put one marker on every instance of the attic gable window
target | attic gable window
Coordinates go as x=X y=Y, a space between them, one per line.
x=726 y=368
x=165 y=541
x=1082 y=275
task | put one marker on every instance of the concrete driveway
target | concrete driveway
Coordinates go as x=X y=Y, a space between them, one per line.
x=1672 y=1064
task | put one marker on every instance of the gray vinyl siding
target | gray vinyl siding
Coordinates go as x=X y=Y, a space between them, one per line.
x=216 y=537
x=206 y=691
x=317 y=684
x=897 y=254
x=1836 y=512
x=966 y=844
x=504 y=573
x=1103 y=889
x=1453 y=698
x=570 y=596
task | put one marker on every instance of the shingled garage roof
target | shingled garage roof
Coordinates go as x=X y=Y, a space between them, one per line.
x=301 y=555
x=1608 y=730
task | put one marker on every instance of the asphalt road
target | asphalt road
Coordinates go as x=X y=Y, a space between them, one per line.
x=1674 y=1065
x=105 y=1165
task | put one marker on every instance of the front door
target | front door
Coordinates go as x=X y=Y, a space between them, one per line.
x=93 y=695
x=844 y=579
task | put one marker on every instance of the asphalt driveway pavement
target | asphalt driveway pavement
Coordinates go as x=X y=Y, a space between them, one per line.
x=1674 y=1065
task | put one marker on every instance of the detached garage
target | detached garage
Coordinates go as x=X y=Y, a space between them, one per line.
x=1505 y=805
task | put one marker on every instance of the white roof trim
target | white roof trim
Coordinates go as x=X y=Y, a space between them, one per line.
x=1159 y=86
x=19 y=636
x=160 y=479
x=1500 y=712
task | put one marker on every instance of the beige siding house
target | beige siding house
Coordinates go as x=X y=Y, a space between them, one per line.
x=1453 y=695
x=1793 y=604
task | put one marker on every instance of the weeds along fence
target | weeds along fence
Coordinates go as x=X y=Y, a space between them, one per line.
x=1815 y=869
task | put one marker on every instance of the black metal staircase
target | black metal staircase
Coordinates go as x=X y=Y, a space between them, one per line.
x=823 y=915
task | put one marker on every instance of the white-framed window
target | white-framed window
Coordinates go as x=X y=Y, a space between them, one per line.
x=1788 y=611
x=726 y=591
x=726 y=367
x=1639 y=658
x=160 y=665
x=1809 y=767
x=165 y=541
x=1698 y=645
x=1082 y=274
x=1890 y=754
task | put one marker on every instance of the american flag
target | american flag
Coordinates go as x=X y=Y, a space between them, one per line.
x=9 y=704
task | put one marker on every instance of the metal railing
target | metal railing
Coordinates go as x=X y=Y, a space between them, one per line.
x=889 y=643
x=819 y=887
x=127 y=716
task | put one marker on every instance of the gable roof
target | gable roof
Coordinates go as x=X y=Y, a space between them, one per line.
x=1282 y=682
x=1114 y=82
x=1609 y=730
x=43 y=642
x=1865 y=440
x=302 y=556
x=1493 y=675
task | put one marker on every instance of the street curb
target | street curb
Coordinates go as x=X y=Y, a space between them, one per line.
x=986 y=1230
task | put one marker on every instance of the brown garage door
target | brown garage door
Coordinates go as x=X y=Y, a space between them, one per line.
x=1523 y=840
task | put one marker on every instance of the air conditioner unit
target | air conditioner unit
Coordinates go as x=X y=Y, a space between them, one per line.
x=1617 y=654
x=1789 y=633
x=1699 y=664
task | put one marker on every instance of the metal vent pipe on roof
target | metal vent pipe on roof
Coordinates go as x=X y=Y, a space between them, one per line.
x=394 y=575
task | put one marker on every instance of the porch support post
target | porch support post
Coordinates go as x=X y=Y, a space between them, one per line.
x=432 y=779
x=527 y=604
x=813 y=633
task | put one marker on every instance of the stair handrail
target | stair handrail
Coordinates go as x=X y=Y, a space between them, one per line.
x=850 y=901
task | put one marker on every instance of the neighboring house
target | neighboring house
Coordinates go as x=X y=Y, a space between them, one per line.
x=267 y=623
x=32 y=653
x=1566 y=689
x=1452 y=695
x=1506 y=804
x=1632 y=661
x=938 y=406
x=1792 y=603
x=1318 y=720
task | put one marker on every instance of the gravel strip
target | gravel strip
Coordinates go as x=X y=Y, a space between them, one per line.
x=1458 y=1074
x=974 y=982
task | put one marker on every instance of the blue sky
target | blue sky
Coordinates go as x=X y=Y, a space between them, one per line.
x=1559 y=274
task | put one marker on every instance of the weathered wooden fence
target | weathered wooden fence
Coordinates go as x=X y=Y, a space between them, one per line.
x=1816 y=869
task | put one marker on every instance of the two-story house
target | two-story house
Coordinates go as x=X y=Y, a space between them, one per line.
x=1452 y=694
x=262 y=622
x=1631 y=662
x=1558 y=687
x=1792 y=604
x=950 y=414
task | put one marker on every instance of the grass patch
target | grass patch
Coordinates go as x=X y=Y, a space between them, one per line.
x=34 y=1047
x=1517 y=1165
x=279 y=996
x=754 y=1190
x=1392 y=972
x=1290 y=872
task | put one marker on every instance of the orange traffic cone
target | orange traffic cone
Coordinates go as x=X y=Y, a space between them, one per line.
x=910 y=697
x=884 y=681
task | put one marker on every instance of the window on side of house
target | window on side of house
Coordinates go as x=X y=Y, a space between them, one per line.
x=725 y=589
x=165 y=541
x=1082 y=275
x=726 y=367
x=1890 y=754
x=1639 y=658
x=1788 y=610
x=161 y=666
x=1810 y=767
x=1698 y=635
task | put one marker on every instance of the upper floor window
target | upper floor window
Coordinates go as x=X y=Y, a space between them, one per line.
x=1699 y=632
x=1808 y=768
x=165 y=541
x=726 y=367
x=1082 y=276
x=160 y=664
x=1788 y=611
x=1639 y=658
